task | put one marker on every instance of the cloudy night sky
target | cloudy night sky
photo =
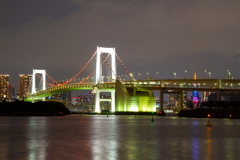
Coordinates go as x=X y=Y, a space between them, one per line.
x=149 y=35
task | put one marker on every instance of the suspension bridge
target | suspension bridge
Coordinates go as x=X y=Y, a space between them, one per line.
x=126 y=95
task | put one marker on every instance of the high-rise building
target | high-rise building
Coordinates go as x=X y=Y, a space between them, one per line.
x=4 y=84
x=195 y=95
x=85 y=98
x=24 y=84
x=63 y=96
x=195 y=98
x=11 y=92
x=92 y=96
x=80 y=98
x=173 y=100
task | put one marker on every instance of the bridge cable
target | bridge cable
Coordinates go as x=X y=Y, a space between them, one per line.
x=92 y=72
x=76 y=74
x=124 y=66
x=109 y=65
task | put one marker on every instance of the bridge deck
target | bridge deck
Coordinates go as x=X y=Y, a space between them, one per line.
x=225 y=85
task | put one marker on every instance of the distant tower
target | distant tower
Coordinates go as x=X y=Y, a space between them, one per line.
x=195 y=75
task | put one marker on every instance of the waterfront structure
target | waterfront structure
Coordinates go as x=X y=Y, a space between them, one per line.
x=4 y=86
x=25 y=81
x=136 y=95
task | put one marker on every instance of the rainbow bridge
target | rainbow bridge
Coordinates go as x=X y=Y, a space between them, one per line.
x=128 y=95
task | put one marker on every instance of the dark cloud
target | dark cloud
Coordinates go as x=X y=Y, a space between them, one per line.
x=149 y=36
x=14 y=12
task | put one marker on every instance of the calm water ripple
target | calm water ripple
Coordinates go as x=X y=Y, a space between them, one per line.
x=118 y=137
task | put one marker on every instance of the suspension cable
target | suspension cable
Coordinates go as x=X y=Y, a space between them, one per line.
x=92 y=72
x=77 y=73
x=109 y=65
x=124 y=66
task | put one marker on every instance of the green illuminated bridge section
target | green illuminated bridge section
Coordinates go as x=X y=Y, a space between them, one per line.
x=72 y=87
x=176 y=84
x=186 y=84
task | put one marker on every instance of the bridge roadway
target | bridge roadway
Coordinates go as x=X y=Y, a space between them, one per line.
x=107 y=86
x=220 y=86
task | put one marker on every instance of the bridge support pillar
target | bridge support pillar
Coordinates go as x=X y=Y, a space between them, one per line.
x=181 y=100
x=113 y=101
x=97 y=101
x=32 y=99
x=150 y=93
x=161 y=101
x=134 y=91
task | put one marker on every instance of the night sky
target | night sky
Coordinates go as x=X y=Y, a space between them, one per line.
x=149 y=35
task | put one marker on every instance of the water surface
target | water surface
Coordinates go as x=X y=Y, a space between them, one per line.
x=118 y=137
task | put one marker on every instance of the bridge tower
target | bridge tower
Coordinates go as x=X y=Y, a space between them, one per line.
x=98 y=80
x=43 y=72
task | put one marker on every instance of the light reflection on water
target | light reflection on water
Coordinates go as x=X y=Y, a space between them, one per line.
x=37 y=138
x=209 y=148
x=118 y=137
x=104 y=145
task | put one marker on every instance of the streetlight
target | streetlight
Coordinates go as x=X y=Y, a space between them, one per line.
x=185 y=73
x=209 y=75
x=146 y=75
x=139 y=75
x=108 y=78
x=156 y=75
x=175 y=74
x=126 y=77
x=131 y=75
x=229 y=73
x=102 y=78
x=205 y=72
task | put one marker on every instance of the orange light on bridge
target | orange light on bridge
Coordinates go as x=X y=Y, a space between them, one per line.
x=230 y=115
x=208 y=115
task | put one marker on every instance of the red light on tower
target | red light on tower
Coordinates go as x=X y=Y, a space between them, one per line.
x=60 y=112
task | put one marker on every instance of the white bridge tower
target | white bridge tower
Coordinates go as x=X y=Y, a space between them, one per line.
x=112 y=52
x=43 y=72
